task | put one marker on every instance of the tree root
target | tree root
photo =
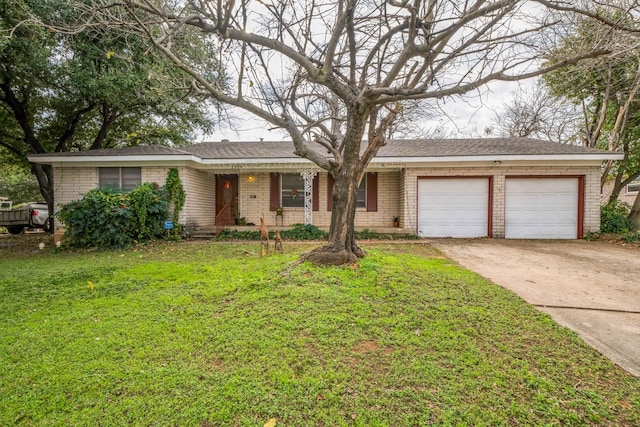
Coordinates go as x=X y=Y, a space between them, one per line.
x=332 y=255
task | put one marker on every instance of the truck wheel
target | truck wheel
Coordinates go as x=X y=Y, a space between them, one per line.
x=16 y=230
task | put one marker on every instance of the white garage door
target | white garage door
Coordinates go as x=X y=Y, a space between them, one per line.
x=453 y=207
x=541 y=208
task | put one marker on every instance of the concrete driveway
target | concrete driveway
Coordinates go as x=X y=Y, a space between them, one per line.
x=592 y=288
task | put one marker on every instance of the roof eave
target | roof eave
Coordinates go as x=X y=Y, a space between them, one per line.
x=396 y=160
x=164 y=158
x=256 y=161
x=501 y=157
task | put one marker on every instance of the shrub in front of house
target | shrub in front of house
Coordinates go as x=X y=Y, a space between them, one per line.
x=114 y=219
x=300 y=232
x=304 y=232
x=296 y=232
x=614 y=218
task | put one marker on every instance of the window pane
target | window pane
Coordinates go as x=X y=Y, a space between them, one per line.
x=362 y=193
x=292 y=191
x=131 y=178
x=109 y=177
x=633 y=187
x=119 y=178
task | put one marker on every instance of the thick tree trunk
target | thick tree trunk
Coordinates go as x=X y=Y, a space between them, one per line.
x=347 y=171
x=634 y=215
x=621 y=183
x=44 y=174
x=341 y=247
x=617 y=187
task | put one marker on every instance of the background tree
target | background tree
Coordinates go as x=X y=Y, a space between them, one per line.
x=336 y=74
x=607 y=89
x=535 y=113
x=16 y=180
x=95 y=89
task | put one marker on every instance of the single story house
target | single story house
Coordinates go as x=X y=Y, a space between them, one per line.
x=495 y=187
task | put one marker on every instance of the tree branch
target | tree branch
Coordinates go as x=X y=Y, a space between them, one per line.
x=22 y=117
x=595 y=16
x=71 y=127
x=389 y=95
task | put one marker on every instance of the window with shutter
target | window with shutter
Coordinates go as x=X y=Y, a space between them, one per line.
x=292 y=190
x=287 y=190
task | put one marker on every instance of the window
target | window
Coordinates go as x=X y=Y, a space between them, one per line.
x=633 y=186
x=119 y=178
x=292 y=191
x=287 y=190
x=362 y=194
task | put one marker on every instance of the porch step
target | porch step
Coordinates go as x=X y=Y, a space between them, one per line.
x=201 y=235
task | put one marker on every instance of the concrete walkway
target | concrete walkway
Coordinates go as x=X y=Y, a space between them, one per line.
x=592 y=288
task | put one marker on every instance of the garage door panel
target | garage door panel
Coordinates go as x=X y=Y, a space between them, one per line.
x=453 y=207
x=541 y=208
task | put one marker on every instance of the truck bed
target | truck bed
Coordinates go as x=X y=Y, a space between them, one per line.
x=15 y=217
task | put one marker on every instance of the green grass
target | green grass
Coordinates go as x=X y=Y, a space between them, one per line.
x=207 y=334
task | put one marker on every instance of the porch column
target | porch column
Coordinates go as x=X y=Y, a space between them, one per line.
x=308 y=195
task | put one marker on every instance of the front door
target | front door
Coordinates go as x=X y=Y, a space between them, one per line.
x=226 y=199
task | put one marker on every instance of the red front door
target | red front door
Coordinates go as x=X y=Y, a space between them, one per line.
x=226 y=199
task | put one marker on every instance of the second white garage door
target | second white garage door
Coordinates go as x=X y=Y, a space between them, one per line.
x=541 y=208
x=453 y=207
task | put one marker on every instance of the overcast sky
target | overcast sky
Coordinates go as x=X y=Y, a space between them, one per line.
x=461 y=117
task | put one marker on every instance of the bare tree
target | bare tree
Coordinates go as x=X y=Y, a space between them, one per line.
x=607 y=89
x=535 y=113
x=337 y=74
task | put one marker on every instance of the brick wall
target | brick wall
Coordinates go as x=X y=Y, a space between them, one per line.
x=158 y=174
x=591 y=202
x=402 y=199
x=70 y=183
x=200 y=202
x=397 y=194
x=254 y=199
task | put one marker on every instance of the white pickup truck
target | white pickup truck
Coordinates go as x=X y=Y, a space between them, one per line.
x=31 y=215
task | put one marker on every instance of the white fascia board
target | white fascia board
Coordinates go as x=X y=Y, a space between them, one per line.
x=493 y=158
x=259 y=167
x=392 y=162
x=257 y=161
x=158 y=158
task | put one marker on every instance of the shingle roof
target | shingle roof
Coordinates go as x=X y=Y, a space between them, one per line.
x=396 y=148
x=242 y=150
x=138 y=150
x=478 y=147
x=408 y=148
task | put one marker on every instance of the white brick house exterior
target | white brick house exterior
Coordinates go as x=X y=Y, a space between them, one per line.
x=253 y=170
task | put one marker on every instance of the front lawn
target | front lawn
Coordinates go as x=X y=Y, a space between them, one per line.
x=206 y=334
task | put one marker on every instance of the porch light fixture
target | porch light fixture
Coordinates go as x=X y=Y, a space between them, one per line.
x=251 y=178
